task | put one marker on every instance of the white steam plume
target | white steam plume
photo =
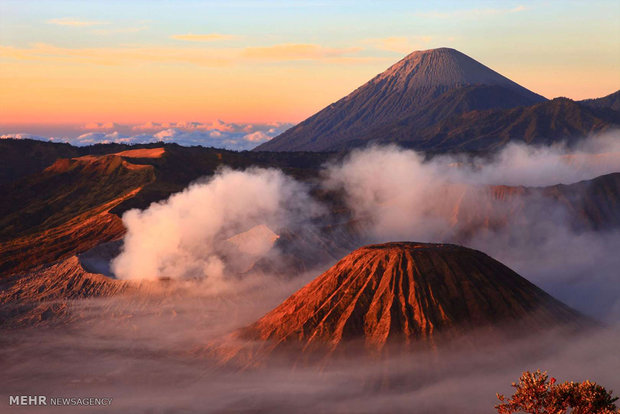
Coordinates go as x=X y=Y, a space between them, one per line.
x=535 y=166
x=187 y=235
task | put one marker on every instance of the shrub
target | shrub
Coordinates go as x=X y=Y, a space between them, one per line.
x=537 y=394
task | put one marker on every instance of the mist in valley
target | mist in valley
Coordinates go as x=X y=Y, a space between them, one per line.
x=145 y=353
x=145 y=349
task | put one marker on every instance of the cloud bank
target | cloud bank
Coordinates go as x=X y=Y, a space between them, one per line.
x=139 y=351
x=217 y=134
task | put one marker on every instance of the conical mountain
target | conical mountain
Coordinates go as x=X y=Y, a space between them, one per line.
x=406 y=88
x=443 y=67
x=402 y=292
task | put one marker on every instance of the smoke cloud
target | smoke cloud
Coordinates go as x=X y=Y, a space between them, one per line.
x=404 y=195
x=535 y=166
x=212 y=228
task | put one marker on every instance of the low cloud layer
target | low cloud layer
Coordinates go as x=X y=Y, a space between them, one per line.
x=140 y=351
x=217 y=134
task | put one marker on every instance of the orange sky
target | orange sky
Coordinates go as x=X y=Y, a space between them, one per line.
x=195 y=61
x=58 y=91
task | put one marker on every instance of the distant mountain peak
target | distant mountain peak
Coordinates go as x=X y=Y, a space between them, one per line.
x=442 y=67
x=403 y=90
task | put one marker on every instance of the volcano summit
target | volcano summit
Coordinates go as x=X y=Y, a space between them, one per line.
x=409 y=87
x=439 y=101
x=403 y=292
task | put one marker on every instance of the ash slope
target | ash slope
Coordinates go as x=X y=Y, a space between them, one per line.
x=44 y=295
x=413 y=87
x=397 y=293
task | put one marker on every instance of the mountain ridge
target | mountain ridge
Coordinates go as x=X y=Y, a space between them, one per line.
x=490 y=129
x=403 y=89
x=442 y=101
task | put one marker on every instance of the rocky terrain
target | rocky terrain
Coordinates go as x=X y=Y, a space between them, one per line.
x=73 y=204
x=402 y=293
x=44 y=296
x=65 y=209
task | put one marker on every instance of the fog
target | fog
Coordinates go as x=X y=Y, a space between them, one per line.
x=533 y=166
x=143 y=352
x=146 y=350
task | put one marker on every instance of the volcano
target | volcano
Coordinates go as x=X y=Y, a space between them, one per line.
x=425 y=87
x=407 y=292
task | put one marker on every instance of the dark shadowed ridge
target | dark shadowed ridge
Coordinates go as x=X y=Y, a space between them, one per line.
x=611 y=101
x=404 y=292
x=560 y=119
x=406 y=89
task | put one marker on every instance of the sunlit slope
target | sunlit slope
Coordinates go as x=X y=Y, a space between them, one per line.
x=421 y=82
x=65 y=209
x=402 y=292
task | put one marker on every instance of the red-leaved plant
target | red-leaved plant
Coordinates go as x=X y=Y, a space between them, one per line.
x=537 y=394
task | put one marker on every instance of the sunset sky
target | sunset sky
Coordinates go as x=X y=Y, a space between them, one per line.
x=75 y=62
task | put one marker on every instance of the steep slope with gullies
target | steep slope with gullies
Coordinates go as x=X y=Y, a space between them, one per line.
x=23 y=157
x=400 y=293
x=43 y=296
x=593 y=204
x=589 y=205
x=76 y=203
x=78 y=234
x=406 y=89
x=65 y=189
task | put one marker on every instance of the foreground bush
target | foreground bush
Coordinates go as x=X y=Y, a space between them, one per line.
x=537 y=394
